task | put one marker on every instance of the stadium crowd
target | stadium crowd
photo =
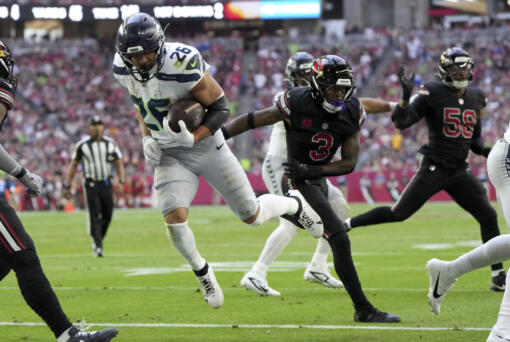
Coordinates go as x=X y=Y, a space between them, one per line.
x=64 y=83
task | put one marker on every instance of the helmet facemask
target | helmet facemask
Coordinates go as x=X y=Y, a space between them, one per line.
x=141 y=34
x=456 y=68
x=336 y=75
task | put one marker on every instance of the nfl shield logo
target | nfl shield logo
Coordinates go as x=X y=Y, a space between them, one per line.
x=325 y=125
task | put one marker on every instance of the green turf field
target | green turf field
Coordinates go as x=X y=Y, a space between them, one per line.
x=144 y=287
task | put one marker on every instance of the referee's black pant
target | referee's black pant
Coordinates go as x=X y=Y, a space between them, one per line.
x=99 y=196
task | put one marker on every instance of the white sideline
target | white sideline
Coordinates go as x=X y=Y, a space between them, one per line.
x=260 y=326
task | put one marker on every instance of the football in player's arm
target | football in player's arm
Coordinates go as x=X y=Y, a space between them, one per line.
x=156 y=74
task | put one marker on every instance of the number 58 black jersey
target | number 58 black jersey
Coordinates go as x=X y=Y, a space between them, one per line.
x=453 y=122
x=313 y=134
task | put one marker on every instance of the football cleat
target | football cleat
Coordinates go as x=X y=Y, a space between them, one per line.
x=211 y=290
x=257 y=284
x=322 y=277
x=497 y=336
x=306 y=216
x=97 y=252
x=375 y=316
x=440 y=282
x=498 y=282
x=77 y=335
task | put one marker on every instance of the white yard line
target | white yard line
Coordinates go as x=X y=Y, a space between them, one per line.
x=262 y=326
x=228 y=289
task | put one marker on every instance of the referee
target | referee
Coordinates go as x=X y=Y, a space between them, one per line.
x=97 y=154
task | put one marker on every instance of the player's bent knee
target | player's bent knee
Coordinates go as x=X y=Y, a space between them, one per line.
x=255 y=219
x=23 y=259
x=178 y=215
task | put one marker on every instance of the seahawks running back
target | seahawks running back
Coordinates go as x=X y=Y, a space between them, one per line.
x=318 y=120
x=156 y=75
x=452 y=111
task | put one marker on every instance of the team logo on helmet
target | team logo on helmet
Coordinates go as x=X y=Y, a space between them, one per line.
x=456 y=68
x=332 y=71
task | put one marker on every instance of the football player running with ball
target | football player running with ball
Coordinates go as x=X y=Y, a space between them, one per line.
x=318 y=120
x=157 y=74
x=298 y=72
x=17 y=250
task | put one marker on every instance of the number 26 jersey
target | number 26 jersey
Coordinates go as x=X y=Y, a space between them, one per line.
x=182 y=68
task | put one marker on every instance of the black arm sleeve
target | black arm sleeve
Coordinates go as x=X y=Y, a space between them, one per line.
x=404 y=117
x=217 y=114
x=477 y=144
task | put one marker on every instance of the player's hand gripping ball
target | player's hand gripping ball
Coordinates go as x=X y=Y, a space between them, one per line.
x=188 y=110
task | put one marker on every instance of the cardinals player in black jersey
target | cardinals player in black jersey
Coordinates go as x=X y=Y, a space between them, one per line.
x=318 y=120
x=17 y=250
x=453 y=112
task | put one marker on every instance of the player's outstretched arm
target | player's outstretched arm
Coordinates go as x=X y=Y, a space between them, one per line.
x=244 y=122
x=376 y=106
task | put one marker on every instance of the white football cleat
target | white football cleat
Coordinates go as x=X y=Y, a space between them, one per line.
x=497 y=336
x=306 y=216
x=323 y=277
x=211 y=290
x=440 y=282
x=257 y=284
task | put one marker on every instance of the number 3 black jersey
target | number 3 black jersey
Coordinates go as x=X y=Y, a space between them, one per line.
x=453 y=122
x=314 y=135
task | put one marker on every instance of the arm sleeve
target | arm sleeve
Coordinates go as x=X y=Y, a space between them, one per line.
x=406 y=117
x=477 y=144
x=217 y=114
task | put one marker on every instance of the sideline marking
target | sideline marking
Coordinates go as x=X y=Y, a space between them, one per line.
x=260 y=326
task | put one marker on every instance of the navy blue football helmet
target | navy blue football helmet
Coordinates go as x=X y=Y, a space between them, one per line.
x=328 y=71
x=140 y=33
x=298 y=68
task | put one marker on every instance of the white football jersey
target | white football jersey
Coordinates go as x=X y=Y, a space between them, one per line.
x=507 y=138
x=182 y=68
x=278 y=140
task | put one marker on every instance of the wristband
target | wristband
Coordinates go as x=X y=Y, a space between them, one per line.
x=392 y=105
x=21 y=173
x=66 y=186
x=122 y=181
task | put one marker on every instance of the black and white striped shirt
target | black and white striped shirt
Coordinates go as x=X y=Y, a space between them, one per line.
x=97 y=157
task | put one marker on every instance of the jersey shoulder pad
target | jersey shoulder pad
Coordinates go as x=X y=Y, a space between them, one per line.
x=6 y=93
x=120 y=71
x=480 y=96
x=277 y=97
x=183 y=58
x=429 y=88
x=356 y=111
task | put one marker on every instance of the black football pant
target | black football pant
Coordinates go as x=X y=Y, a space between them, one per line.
x=17 y=253
x=99 y=195
x=460 y=184
x=335 y=232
